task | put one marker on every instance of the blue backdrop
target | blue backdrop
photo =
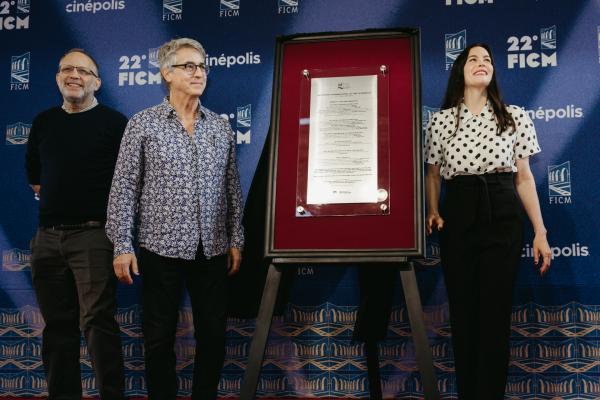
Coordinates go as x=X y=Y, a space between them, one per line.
x=547 y=60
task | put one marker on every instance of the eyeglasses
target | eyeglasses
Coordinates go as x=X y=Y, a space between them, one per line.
x=190 y=68
x=68 y=69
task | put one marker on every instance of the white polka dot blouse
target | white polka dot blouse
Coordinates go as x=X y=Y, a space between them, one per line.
x=476 y=148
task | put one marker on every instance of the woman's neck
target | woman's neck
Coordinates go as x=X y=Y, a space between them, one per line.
x=475 y=99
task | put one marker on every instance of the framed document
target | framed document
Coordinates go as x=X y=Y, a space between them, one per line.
x=345 y=142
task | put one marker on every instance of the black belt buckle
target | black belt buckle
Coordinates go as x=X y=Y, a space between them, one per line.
x=84 y=225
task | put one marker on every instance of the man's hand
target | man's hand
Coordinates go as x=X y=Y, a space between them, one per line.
x=36 y=191
x=234 y=259
x=122 y=263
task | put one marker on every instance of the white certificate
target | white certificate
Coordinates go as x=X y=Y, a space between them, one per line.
x=342 y=149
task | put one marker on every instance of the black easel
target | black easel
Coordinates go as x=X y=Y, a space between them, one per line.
x=415 y=314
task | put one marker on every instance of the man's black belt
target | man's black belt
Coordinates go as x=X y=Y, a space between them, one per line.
x=83 y=225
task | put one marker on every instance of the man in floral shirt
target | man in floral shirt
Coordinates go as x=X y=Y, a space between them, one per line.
x=177 y=185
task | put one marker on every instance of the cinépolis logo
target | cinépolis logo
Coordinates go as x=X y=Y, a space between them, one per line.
x=548 y=114
x=14 y=14
x=523 y=51
x=132 y=72
x=248 y=58
x=93 y=7
x=572 y=250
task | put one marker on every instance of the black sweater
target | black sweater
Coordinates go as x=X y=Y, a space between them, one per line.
x=72 y=157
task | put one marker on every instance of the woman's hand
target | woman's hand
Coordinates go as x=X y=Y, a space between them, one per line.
x=433 y=182
x=541 y=248
x=525 y=185
x=434 y=221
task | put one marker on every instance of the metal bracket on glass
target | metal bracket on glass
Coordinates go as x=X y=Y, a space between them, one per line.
x=383 y=69
x=302 y=212
x=306 y=73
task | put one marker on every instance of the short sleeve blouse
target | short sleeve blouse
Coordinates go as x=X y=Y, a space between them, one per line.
x=476 y=148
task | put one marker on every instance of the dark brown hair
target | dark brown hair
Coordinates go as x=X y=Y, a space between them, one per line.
x=456 y=89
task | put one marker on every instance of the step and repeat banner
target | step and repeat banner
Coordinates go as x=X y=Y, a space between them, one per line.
x=547 y=57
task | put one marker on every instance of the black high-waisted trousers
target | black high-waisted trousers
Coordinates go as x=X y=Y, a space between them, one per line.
x=480 y=251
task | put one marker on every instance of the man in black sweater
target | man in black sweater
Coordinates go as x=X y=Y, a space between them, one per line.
x=70 y=160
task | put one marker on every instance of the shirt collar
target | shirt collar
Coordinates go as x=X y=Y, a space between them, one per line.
x=92 y=105
x=487 y=113
x=170 y=110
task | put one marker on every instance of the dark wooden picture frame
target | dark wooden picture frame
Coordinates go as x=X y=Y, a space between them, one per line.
x=399 y=230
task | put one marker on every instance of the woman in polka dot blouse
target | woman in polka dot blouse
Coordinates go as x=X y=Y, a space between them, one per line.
x=481 y=147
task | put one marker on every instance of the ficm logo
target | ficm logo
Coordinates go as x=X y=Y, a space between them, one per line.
x=19 y=72
x=17 y=133
x=559 y=183
x=94 y=6
x=599 y=43
x=23 y=6
x=244 y=116
x=230 y=60
x=243 y=123
x=572 y=250
x=131 y=73
x=15 y=259
x=521 y=52
x=229 y=8
x=469 y=2
x=455 y=43
x=432 y=255
x=427 y=114
x=153 y=57
x=306 y=270
x=287 y=6
x=14 y=14
x=172 y=10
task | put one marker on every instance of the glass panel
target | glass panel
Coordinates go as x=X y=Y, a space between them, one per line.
x=343 y=142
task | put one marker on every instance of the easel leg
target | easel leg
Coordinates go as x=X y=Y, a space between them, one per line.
x=419 y=333
x=261 y=333
x=373 y=369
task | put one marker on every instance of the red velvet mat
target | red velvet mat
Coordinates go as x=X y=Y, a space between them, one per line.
x=392 y=231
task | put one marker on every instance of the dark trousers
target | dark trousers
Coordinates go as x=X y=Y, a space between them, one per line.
x=163 y=280
x=75 y=286
x=480 y=251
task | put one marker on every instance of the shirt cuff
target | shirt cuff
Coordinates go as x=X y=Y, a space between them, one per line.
x=122 y=248
x=237 y=243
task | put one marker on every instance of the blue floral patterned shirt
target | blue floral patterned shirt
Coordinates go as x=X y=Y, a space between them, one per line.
x=176 y=189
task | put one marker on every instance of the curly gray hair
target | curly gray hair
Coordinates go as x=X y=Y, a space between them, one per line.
x=166 y=52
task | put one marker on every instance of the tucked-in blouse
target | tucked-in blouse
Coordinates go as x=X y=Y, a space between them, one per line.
x=476 y=148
